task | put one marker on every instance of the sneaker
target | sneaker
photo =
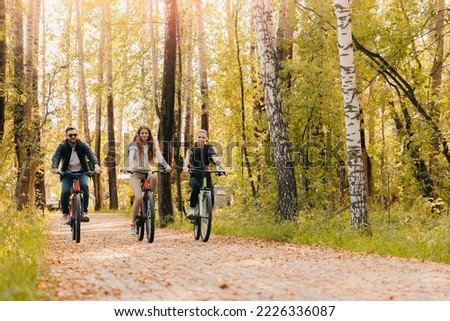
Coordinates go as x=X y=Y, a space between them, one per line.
x=132 y=230
x=191 y=213
x=65 y=219
x=84 y=217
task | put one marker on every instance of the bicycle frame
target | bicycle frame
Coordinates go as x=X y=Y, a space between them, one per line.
x=203 y=211
x=146 y=216
x=76 y=203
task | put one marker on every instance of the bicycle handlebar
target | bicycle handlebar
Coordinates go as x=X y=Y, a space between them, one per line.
x=203 y=171
x=76 y=174
x=146 y=172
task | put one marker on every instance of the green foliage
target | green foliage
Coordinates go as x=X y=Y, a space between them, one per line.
x=398 y=233
x=22 y=240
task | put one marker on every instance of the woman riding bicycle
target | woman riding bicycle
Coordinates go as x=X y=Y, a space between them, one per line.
x=142 y=152
x=199 y=157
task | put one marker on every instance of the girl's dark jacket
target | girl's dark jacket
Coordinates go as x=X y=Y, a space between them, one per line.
x=64 y=151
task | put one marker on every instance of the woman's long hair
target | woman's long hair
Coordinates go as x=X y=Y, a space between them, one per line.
x=150 y=142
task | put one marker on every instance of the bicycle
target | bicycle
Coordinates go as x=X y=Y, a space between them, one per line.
x=145 y=221
x=203 y=211
x=76 y=203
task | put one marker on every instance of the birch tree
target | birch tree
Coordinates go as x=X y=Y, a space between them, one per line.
x=98 y=186
x=267 y=52
x=153 y=41
x=26 y=131
x=82 y=110
x=358 y=202
x=68 y=117
x=202 y=65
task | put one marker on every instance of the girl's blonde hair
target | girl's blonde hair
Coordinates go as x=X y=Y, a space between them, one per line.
x=202 y=131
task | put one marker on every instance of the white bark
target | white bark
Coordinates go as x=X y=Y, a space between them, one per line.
x=356 y=179
x=285 y=176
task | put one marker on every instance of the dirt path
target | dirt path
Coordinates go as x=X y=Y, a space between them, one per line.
x=109 y=264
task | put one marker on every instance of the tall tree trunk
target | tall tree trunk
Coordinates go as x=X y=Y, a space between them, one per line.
x=202 y=66
x=167 y=121
x=358 y=202
x=98 y=186
x=285 y=35
x=39 y=184
x=285 y=175
x=21 y=190
x=242 y=103
x=436 y=78
x=31 y=103
x=111 y=157
x=82 y=109
x=258 y=112
x=2 y=67
x=188 y=83
x=26 y=120
x=153 y=41
x=67 y=71
x=179 y=121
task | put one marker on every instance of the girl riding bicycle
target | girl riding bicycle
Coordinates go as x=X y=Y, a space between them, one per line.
x=199 y=157
x=142 y=152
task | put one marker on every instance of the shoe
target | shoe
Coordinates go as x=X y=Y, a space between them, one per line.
x=132 y=230
x=65 y=219
x=191 y=213
x=84 y=217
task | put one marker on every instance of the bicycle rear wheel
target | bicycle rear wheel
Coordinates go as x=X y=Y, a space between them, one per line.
x=150 y=221
x=76 y=218
x=205 y=216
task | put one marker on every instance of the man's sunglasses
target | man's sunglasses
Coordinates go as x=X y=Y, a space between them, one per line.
x=72 y=135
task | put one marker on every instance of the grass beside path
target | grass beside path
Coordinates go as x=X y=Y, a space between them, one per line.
x=23 y=238
x=22 y=246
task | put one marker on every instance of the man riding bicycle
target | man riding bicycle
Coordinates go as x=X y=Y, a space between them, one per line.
x=73 y=153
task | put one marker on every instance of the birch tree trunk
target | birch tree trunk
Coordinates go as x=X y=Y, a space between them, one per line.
x=82 y=109
x=154 y=61
x=167 y=121
x=202 y=65
x=267 y=52
x=26 y=120
x=67 y=71
x=188 y=83
x=358 y=202
x=98 y=186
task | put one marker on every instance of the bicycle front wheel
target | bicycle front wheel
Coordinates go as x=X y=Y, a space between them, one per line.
x=205 y=216
x=140 y=220
x=76 y=218
x=150 y=221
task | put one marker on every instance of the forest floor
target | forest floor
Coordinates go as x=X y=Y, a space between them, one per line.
x=110 y=264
